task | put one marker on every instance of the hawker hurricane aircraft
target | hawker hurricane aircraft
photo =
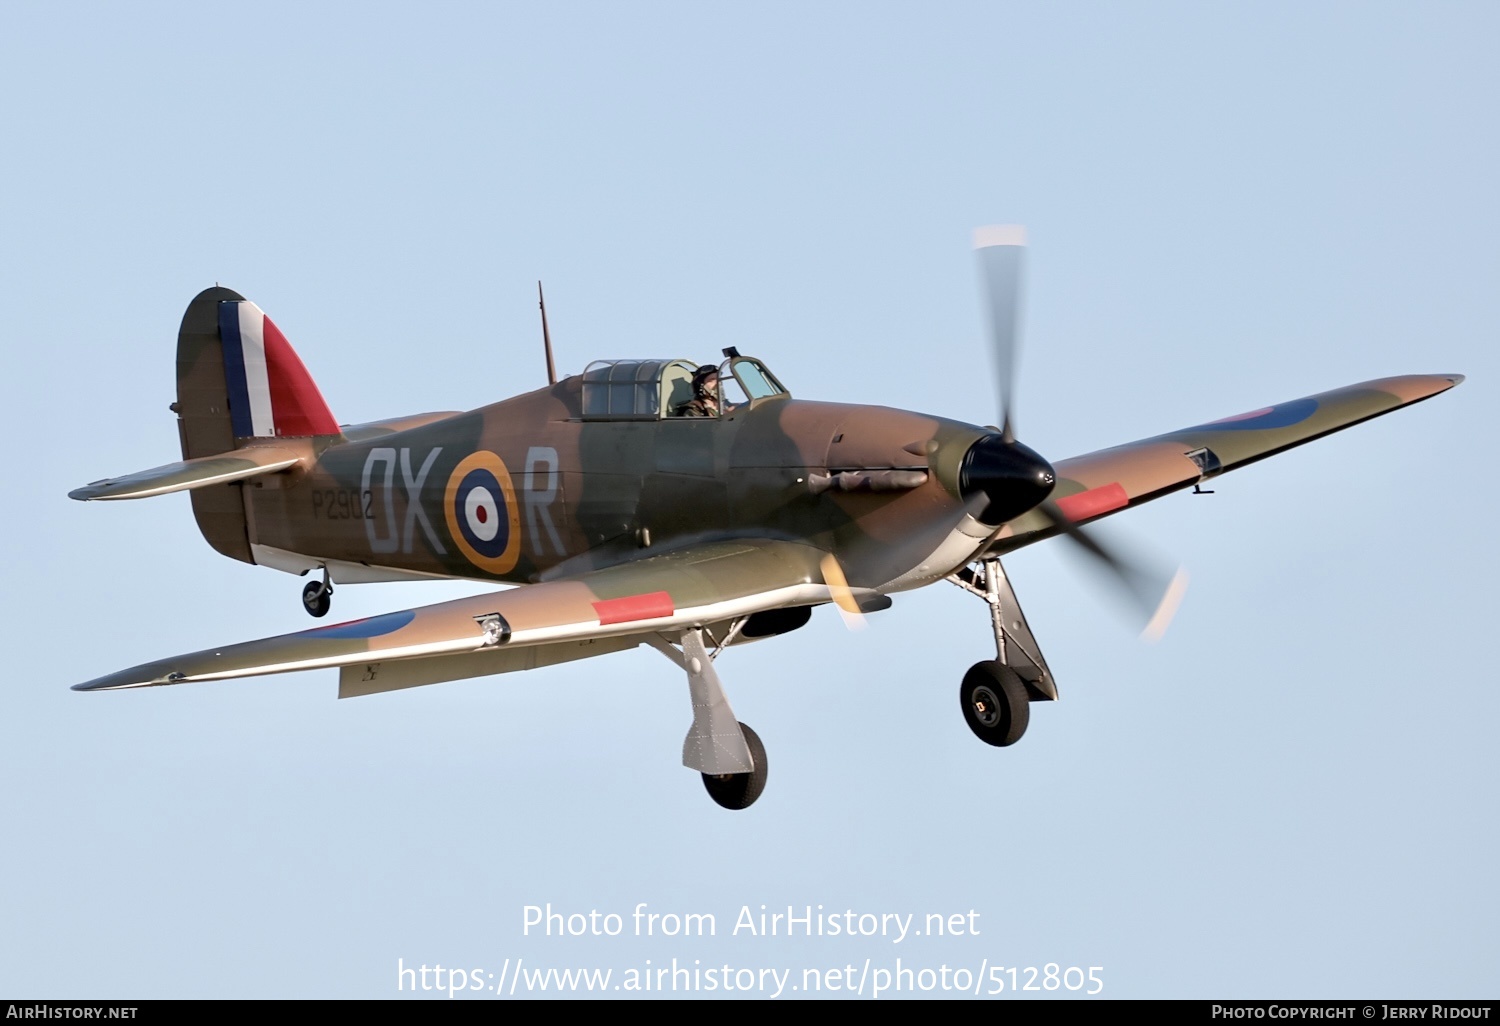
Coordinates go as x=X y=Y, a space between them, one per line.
x=653 y=502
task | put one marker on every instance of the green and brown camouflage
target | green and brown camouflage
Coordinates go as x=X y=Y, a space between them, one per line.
x=727 y=517
x=625 y=523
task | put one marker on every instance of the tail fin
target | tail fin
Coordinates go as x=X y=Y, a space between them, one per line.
x=238 y=380
x=270 y=392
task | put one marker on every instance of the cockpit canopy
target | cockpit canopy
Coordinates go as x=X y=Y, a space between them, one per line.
x=659 y=389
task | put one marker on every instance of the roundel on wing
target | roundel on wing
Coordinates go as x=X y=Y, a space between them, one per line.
x=1278 y=416
x=483 y=518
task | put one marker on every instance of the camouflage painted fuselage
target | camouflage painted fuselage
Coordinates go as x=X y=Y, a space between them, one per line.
x=573 y=494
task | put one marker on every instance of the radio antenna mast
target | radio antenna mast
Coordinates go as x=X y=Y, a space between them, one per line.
x=546 y=337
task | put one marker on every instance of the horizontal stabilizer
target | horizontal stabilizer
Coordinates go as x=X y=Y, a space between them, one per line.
x=198 y=473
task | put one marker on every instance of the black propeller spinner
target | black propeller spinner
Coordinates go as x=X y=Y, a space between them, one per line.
x=1011 y=475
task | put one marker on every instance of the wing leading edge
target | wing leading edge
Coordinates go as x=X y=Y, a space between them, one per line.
x=1104 y=482
x=562 y=620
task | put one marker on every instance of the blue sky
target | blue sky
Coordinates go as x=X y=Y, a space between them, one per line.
x=1229 y=205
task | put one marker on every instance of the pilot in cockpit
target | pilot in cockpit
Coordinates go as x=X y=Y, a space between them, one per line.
x=705 y=400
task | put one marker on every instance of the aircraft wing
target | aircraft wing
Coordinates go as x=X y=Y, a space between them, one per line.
x=602 y=611
x=1107 y=481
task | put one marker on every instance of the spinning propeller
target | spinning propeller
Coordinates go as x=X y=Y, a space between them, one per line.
x=843 y=596
x=1012 y=478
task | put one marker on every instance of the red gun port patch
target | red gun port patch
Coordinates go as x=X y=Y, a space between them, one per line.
x=635 y=607
x=1094 y=501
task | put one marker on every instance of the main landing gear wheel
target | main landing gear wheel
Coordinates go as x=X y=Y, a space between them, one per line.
x=316 y=598
x=739 y=790
x=995 y=704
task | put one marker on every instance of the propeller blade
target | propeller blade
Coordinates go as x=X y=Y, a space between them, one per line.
x=1155 y=596
x=1014 y=478
x=843 y=597
x=1000 y=248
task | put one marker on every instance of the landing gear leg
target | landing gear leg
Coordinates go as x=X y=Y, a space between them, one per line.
x=318 y=595
x=727 y=753
x=996 y=695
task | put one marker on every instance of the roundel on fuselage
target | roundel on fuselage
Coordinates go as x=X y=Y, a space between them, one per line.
x=483 y=518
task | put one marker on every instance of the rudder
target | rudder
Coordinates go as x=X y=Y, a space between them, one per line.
x=271 y=395
x=238 y=379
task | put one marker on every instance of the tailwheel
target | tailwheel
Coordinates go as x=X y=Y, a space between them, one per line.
x=739 y=790
x=995 y=704
x=317 y=597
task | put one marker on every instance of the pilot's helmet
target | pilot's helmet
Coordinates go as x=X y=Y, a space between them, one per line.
x=701 y=376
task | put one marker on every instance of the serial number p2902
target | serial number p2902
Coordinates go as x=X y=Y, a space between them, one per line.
x=343 y=504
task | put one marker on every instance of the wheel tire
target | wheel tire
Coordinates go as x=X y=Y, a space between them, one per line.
x=739 y=790
x=995 y=704
x=315 y=600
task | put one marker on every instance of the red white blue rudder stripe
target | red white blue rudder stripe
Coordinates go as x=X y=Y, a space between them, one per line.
x=270 y=392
